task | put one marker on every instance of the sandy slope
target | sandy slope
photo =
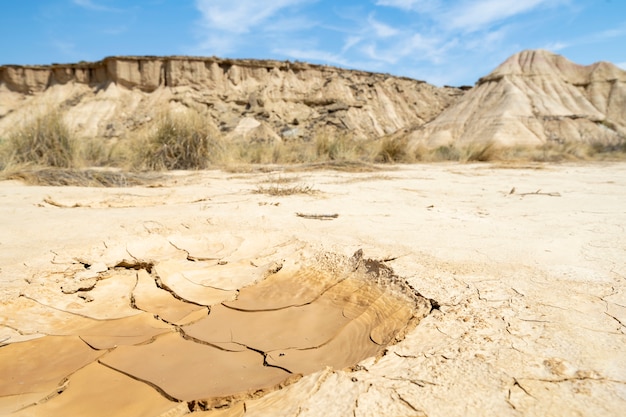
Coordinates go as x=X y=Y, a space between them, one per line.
x=536 y=97
x=527 y=265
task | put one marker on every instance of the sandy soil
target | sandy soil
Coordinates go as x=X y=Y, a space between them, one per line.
x=525 y=267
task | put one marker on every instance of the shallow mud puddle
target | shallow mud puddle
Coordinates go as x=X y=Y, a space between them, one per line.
x=184 y=336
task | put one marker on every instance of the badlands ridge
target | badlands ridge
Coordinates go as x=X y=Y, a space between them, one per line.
x=534 y=97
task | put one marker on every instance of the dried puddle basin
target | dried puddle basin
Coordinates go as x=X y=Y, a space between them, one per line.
x=189 y=336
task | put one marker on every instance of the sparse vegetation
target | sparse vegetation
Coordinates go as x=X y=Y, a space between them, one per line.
x=281 y=179
x=393 y=150
x=81 y=178
x=103 y=153
x=45 y=140
x=178 y=141
x=279 y=189
x=329 y=147
x=565 y=151
x=44 y=151
x=472 y=152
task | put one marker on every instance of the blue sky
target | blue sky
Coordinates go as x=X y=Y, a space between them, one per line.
x=451 y=42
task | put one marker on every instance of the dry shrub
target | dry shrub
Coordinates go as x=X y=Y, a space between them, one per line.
x=178 y=141
x=393 y=150
x=471 y=152
x=184 y=140
x=44 y=141
x=446 y=153
x=560 y=151
x=344 y=166
x=105 y=152
x=5 y=154
x=323 y=148
x=80 y=178
x=331 y=146
x=555 y=152
x=296 y=152
x=480 y=152
x=280 y=179
x=265 y=153
x=284 y=190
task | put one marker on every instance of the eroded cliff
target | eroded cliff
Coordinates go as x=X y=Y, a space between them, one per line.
x=250 y=99
x=532 y=98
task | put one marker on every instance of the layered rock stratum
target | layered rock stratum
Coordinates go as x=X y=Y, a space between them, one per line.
x=245 y=99
x=532 y=98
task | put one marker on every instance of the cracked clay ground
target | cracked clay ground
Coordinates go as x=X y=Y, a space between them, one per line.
x=481 y=290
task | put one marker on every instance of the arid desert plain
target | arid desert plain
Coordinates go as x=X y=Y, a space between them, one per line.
x=400 y=290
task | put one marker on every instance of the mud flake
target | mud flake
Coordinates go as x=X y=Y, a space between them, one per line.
x=97 y=390
x=192 y=371
x=40 y=365
x=149 y=297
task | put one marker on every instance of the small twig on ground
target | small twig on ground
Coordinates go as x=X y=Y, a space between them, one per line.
x=538 y=192
x=50 y=201
x=318 y=216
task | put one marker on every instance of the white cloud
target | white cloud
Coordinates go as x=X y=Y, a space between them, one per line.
x=239 y=16
x=215 y=44
x=416 y=5
x=587 y=39
x=289 y=24
x=381 y=30
x=417 y=47
x=611 y=33
x=622 y=65
x=313 y=55
x=91 y=5
x=66 y=49
x=350 y=42
x=486 y=41
x=475 y=15
x=434 y=34
x=556 y=46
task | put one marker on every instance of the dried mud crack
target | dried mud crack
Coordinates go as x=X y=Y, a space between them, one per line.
x=178 y=336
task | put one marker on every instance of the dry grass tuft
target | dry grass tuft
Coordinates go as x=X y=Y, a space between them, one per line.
x=330 y=146
x=276 y=190
x=280 y=179
x=471 y=152
x=394 y=150
x=555 y=152
x=105 y=153
x=43 y=141
x=343 y=166
x=187 y=140
x=178 y=141
x=570 y=151
x=80 y=178
x=480 y=152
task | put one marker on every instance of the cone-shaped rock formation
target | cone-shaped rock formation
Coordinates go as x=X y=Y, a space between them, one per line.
x=535 y=97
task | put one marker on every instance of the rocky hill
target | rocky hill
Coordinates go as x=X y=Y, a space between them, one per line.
x=535 y=97
x=245 y=99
